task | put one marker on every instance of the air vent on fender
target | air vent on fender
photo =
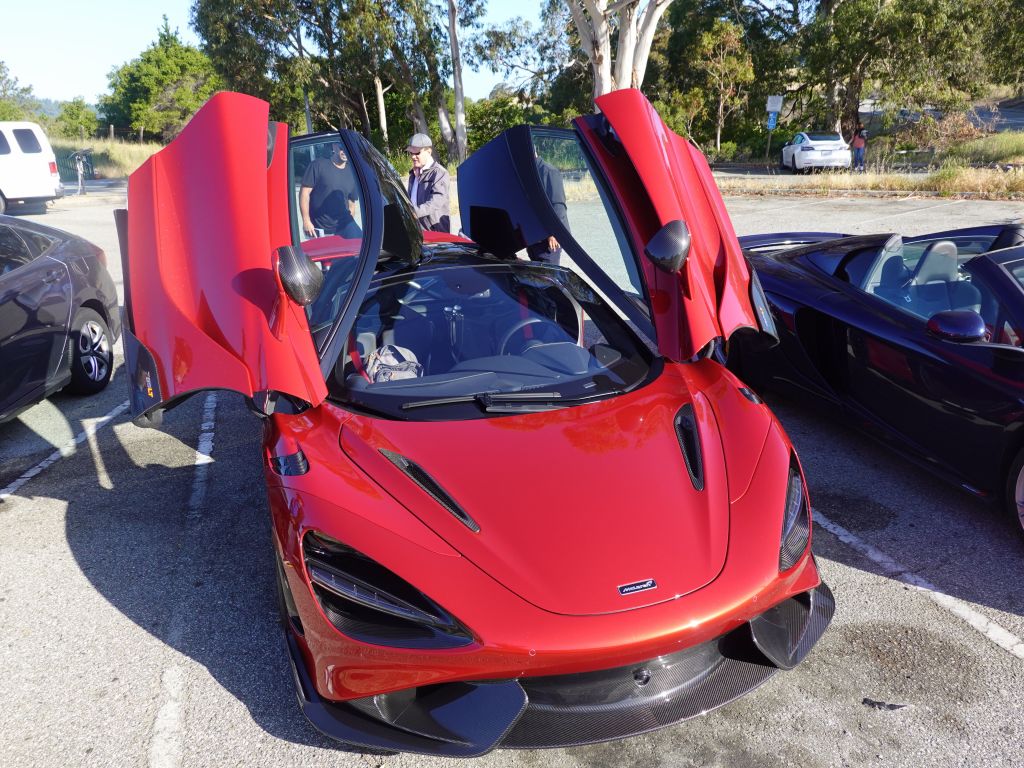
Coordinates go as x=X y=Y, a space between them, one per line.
x=418 y=475
x=689 y=444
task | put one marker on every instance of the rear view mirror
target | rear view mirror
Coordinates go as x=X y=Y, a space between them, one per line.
x=959 y=325
x=670 y=246
x=300 y=277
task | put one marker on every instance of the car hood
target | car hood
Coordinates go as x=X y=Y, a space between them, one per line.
x=571 y=504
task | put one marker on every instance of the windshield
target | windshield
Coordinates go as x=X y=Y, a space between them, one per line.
x=824 y=137
x=459 y=341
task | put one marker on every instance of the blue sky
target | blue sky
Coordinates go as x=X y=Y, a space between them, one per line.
x=66 y=48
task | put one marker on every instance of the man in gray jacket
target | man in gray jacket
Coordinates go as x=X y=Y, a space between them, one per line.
x=428 y=185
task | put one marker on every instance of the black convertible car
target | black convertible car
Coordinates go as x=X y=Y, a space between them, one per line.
x=918 y=340
x=58 y=315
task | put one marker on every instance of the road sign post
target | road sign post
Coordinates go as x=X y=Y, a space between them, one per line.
x=773 y=107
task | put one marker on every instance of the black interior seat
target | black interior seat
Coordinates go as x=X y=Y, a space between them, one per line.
x=893 y=281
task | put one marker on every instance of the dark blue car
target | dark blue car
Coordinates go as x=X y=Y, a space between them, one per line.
x=918 y=340
x=59 y=315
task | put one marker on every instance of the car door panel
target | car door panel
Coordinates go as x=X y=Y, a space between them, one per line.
x=938 y=397
x=201 y=295
x=35 y=299
x=653 y=178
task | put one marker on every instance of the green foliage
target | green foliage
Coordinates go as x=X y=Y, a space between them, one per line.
x=76 y=118
x=728 y=66
x=16 y=101
x=1000 y=148
x=158 y=92
x=680 y=110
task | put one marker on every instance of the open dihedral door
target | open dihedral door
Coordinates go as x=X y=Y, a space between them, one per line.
x=714 y=294
x=203 y=303
x=603 y=192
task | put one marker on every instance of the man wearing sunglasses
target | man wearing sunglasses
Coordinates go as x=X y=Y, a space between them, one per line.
x=428 y=185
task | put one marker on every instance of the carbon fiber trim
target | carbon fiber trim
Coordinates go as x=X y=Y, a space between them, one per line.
x=467 y=719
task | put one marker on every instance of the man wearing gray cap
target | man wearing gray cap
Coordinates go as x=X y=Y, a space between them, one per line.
x=428 y=185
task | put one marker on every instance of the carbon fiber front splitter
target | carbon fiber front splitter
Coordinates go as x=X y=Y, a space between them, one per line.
x=470 y=719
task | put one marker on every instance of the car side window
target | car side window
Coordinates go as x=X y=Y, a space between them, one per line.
x=799 y=139
x=579 y=200
x=27 y=140
x=324 y=190
x=14 y=252
x=5 y=146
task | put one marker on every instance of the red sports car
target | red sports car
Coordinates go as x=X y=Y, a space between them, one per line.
x=516 y=503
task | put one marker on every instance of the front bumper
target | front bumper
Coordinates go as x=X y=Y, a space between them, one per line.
x=467 y=719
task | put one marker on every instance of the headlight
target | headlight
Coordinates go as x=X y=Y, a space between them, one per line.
x=369 y=603
x=796 y=521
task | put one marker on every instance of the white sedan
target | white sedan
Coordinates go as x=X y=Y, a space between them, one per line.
x=815 y=150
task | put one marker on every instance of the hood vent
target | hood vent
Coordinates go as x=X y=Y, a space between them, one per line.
x=689 y=444
x=418 y=475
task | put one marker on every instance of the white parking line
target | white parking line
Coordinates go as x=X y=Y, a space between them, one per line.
x=759 y=211
x=165 y=747
x=68 y=449
x=991 y=630
x=915 y=210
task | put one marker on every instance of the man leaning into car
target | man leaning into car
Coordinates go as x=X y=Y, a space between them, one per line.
x=428 y=185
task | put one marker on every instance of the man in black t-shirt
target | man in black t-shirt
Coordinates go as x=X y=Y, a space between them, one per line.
x=327 y=197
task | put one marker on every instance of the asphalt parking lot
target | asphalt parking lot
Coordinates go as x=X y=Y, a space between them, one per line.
x=139 y=624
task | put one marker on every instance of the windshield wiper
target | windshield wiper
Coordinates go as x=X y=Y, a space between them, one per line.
x=528 y=402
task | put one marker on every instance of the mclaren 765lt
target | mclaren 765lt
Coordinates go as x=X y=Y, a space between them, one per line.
x=515 y=503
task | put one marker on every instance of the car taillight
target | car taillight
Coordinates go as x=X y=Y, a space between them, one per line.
x=53 y=168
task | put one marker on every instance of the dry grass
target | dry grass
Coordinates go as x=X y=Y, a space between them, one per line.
x=951 y=180
x=111 y=159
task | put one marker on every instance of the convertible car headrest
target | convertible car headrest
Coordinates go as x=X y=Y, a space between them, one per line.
x=938 y=263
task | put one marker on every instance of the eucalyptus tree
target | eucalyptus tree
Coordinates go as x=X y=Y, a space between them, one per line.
x=633 y=23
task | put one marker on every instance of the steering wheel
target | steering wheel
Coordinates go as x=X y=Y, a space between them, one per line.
x=507 y=336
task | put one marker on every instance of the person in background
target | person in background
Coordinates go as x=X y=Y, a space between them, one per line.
x=549 y=249
x=428 y=185
x=859 y=143
x=327 y=197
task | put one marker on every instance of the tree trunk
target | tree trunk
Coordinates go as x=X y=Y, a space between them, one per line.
x=720 y=123
x=445 y=122
x=419 y=117
x=593 y=20
x=461 y=144
x=382 y=115
x=365 y=119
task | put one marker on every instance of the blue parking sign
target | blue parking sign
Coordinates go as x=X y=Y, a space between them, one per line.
x=773 y=119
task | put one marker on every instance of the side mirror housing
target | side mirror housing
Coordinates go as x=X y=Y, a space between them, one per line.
x=960 y=325
x=670 y=246
x=300 y=277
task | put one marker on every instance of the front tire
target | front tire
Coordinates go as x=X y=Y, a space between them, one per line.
x=92 y=359
x=1014 y=496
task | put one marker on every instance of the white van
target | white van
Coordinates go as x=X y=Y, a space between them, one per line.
x=28 y=167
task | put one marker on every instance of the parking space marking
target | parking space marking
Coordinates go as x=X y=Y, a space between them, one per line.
x=915 y=210
x=782 y=208
x=68 y=449
x=991 y=630
x=165 y=748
